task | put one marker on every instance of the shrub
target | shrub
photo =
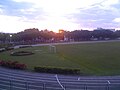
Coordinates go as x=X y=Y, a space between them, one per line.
x=4 y=45
x=9 y=48
x=13 y=64
x=21 y=53
x=57 y=70
x=20 y=66
x=2 y=63
x=6 y=49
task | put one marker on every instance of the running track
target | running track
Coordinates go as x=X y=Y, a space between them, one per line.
x=23 y=80
x=63 y=43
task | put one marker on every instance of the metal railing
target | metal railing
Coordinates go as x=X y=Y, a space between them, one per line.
x=6 y=84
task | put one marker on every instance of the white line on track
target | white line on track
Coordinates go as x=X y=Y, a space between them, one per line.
x=78 y=78
x=59 y=82
x=108 y=82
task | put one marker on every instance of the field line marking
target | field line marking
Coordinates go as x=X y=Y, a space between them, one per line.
x=108 y=82
x=59 y=82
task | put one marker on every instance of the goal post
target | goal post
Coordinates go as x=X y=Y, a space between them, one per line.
x=52 y=49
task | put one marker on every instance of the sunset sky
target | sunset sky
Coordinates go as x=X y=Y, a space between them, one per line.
x=17 y=15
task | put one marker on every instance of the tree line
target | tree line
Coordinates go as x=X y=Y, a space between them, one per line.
x=33 y=35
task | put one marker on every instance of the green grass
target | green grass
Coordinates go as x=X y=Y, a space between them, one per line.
x=91 y=59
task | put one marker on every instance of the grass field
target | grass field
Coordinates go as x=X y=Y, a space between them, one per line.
x=90 y=58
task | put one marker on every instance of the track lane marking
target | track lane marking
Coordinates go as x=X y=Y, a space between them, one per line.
x=59 y=82
x=108 y=82
x=78 y=78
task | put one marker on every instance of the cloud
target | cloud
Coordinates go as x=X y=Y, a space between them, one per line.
x=117 y=20
x=12 y=8
x=22 y=9
x=1 y=11
x=98 y=15
x=13 y=24
x=56 y=14
x=110 y=2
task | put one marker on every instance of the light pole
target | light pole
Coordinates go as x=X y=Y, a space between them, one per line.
x=10 y=37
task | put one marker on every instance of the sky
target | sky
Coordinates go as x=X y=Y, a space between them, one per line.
x=18 y=15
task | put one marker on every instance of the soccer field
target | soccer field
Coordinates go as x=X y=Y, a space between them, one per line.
x=90 y=58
